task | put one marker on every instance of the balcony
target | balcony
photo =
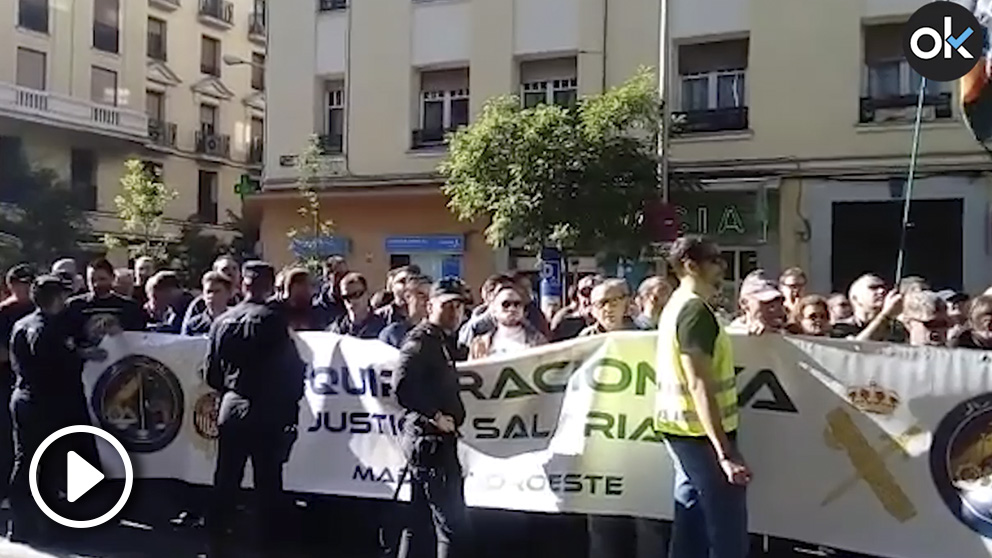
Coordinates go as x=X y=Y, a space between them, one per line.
x=256 y=27
x=219 y=13
x=902 y=108
x=430 y=138
x=709 y=121
x=161 y=133
x=213 y=145
x=331 y=144
x=331 y=5
x=168 y=5
x=256 y=151
x=62 y=111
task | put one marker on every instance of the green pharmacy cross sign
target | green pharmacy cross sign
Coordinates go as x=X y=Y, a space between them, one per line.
x=246 y=186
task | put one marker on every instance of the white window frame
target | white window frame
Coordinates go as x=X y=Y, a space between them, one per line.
x=713 y=88
x=446 y=97
x=908 y=79
x=549 y=87
x=333 y=100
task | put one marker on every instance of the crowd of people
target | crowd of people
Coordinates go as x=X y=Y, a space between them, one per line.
x=56 y=322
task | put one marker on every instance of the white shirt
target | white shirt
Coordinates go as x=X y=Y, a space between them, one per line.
x=508 y=340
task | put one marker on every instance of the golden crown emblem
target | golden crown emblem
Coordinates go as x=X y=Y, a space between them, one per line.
x=873 y=399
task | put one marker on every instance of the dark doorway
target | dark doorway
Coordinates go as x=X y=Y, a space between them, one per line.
x=865 y=238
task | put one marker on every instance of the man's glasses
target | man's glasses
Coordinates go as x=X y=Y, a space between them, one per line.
x=604 y=302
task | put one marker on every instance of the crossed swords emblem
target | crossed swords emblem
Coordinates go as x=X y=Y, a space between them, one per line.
x=870 y=463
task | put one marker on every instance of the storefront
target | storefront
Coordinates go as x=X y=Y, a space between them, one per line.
x=437 y=255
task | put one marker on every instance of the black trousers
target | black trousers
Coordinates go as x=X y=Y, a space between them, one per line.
x=6 y=437
x=268 y=447
x=438 y=500
x=32 y=422
x=627 y=537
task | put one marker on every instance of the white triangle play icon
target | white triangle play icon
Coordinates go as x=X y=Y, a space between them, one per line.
x=80 y=476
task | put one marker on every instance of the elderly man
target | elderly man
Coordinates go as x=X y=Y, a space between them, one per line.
x=652 y=295
x=925 y=316
x=762 y=306
x=876 y=312
x=792 y=283
x=610 y=302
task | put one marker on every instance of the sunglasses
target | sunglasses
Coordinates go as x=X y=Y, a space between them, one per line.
x=508 y=304
x=353 y=296
x=603 y=303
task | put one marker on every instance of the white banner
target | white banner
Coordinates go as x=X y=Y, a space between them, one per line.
x=876 y=448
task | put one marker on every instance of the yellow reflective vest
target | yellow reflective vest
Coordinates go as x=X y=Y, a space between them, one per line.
x=674 y=407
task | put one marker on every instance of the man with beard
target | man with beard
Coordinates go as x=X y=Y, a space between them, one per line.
x=876 y=312
x=395 y=311
x=12 y=309
x=298 y=302
x=328 y=301
x=696 y=409
x=101 y=311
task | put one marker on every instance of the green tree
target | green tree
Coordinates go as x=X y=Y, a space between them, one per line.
x=574 y=178
x=44 y=219
x=195 y=251
x=141 y=208
x=310 y=164
x=247 y=235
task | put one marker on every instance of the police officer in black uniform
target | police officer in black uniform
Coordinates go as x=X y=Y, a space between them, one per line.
x=253 y=362
x=427 y=388
x=47 y=365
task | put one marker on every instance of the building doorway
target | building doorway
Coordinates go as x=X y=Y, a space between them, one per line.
x=865 y=239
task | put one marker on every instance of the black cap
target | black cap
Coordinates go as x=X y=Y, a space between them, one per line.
x=449 y=288
x=46 y=282
x=21 y=273
x=952 y=297
x=257 y=269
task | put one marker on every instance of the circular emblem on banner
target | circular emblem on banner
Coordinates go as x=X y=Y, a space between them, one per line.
x=961 y=462
x=205 y=412
x=140 y=401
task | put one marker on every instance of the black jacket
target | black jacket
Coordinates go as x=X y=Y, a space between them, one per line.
x=427 y=381
x=252 y=358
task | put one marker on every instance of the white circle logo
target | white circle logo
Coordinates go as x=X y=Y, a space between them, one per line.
x=44 y=507
x=938 y=43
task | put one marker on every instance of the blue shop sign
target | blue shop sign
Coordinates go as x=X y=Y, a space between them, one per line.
x=451 y=266
x=443 y=243
x=322 y=246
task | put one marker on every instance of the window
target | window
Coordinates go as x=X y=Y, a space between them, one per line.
x=206 y=199
x=106 y=25
x=31 y=71
x=887 y=74
x=258 y=71
x=33 y=15
x=83 y=174
x=103 y=86
x=156 y=39
x=713 y=90
x=208 y=119
x=210 y=56
x=329 y=5
x=561 y=92
x=444 y=110
x=334 y=126
x=155 y=105
x=257 y=128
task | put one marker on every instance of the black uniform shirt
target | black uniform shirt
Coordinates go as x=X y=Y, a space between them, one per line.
x=427 y=379
x=44 y=357
x=252 y=354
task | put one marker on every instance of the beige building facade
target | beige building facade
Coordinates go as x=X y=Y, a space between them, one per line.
x=792 y=134
x=88 y=84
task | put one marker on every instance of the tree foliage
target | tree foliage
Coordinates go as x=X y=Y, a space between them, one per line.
x=310 y=164
x=247 y=235
x=574 y=177
x=45 y=220
x=141 y=208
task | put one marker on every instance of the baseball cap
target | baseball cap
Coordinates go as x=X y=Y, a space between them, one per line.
x=757 y=286
x=21 y=273
x=448 y=289
x=951 y=296
x=256 y=269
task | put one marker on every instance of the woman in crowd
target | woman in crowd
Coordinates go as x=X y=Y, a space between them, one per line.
x=810 y=316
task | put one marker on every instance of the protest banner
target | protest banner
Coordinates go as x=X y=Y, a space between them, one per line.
x=876 y=448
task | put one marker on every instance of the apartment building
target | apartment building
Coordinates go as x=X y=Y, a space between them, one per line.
x=87 y=84
x=381 y=82
x=791 y=141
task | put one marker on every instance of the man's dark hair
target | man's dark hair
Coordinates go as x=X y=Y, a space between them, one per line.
x=692 y=248
x=381 y=299
x=102 y=264
x=217 y=277
x=46 y=289
x=333 y=261
x=164 y=280
x=353 y=277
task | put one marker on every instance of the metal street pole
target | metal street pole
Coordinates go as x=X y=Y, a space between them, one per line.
x=665 y=85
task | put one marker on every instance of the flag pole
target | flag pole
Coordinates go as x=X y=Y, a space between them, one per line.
x=908 y=195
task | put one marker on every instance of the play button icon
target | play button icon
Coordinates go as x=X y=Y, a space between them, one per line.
x=81 y=477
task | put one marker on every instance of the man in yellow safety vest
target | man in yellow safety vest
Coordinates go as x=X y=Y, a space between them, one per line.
x=696 y=409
